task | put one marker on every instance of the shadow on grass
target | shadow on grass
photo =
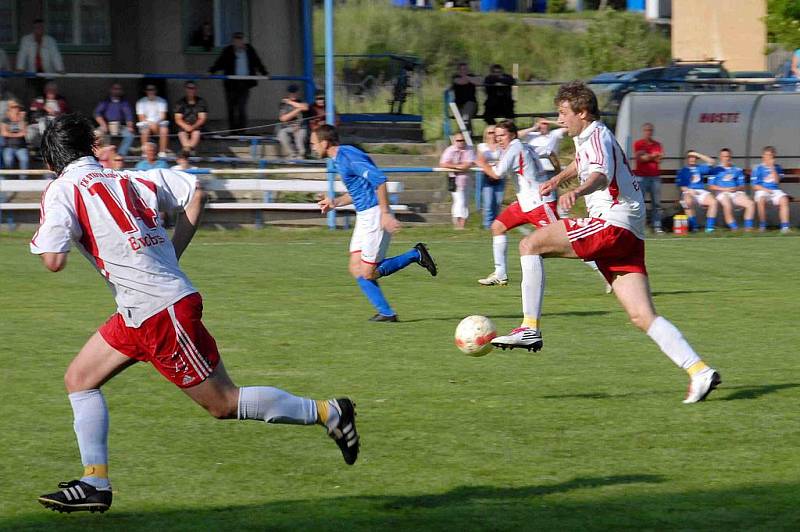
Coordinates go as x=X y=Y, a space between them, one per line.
x=754 y=392
x=680 y=292
x=513 y=316
x=740 y=392
x=594 y=503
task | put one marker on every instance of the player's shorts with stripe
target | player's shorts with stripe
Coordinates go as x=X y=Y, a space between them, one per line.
x=614 y=249
x=369 y=237
x=174 y=340
x=543 y=215
x=772 y=196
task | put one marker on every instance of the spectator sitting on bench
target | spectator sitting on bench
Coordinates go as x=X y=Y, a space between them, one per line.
x=43 y=110
x=13 y=129
x=152 y=113
x=317 y=113
x=115 y=117
x=191 y=113
x=150 y=161
x=291 y=132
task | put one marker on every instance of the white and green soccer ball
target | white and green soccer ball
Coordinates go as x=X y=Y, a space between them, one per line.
x=474 y=335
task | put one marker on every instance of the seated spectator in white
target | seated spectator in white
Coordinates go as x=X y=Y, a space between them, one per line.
x=149 y=160
x=43 y=110
x=183 y=162
x=115 y=117
x=152 y=113
x=765 y=180
x=118 y=162
x=13 y=129
x=39 y=52
x=691 y=181
x=291 y=131
x=191 y=113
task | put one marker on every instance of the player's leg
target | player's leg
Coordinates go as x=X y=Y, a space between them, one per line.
x=689 y=205
x=743 y=200
x=418 y=254
x=783 y=213
x=365 y=248
x=511 y=217
x=761 y=207
x=723 y=198
x=633 y=292
x=712 y=207
x=94 y=365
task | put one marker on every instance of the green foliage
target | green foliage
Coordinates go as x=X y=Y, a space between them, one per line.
x=557 y=6
x=621 y=41
x=783 y=22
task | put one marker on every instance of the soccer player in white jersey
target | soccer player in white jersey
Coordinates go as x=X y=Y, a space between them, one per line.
x=612 y=235
x=112 y=218
x=518 y=160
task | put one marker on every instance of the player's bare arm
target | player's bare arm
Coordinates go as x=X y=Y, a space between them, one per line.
x=486 y=168
x=552 y=184
x=596 y=181
x=388 y=221
x=703 y=157
x=188 y=221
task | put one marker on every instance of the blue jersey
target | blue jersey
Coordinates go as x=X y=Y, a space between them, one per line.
x=727 y=177
x=692 y=176
x=360 y=176
x=762 y=176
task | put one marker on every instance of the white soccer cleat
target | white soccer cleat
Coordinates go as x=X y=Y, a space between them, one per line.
x=523 y=337
x=701 y=385
x=493 y=280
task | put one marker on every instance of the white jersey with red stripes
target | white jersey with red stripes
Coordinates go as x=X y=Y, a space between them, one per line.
x=621 y=202
x=520 y=160
x=112 y=217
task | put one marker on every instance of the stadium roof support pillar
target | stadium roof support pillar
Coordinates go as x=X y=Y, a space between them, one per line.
x=330 y=98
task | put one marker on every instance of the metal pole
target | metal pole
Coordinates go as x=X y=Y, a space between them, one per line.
x=329 y=99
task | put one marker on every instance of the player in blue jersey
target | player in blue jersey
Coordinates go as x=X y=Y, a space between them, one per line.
x=728 y=185
x=690 y=180
x=366 y=190
x=765 y=180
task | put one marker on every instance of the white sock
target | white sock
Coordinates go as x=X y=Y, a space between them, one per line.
x=273 y=405
x=532 y=286
x=672 y=343
x=91 y=427
x=499 y=247
x=593 y=265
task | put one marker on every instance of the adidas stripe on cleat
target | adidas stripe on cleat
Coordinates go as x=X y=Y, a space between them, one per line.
x=522 y=337
x=77 y=496
x=344 y=433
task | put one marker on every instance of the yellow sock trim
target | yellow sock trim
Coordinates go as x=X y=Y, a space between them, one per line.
x=533 y=323
x=323 y=411
x=96 y=470
x=695 y=368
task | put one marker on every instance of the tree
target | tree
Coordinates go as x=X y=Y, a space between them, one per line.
x=783 y=22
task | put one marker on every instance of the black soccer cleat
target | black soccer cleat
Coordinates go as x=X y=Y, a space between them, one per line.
x=425 y=259
x=344 y=433
x=77 y=496
x=381 y=317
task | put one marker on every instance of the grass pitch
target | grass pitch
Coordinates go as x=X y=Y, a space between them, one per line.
x=588 y=434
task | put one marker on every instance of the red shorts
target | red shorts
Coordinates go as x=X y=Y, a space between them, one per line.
x=175 y=341
x=614 y=249
x=543 y=215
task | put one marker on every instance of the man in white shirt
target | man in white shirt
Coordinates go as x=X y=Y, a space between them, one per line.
x=39 y=52
x=152 y=114
x=612 y=235
x=111 y=217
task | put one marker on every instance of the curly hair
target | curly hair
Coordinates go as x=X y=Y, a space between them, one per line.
x=580 y=98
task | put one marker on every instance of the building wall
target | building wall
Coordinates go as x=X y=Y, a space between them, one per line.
x=733 y=31
x=148 y=36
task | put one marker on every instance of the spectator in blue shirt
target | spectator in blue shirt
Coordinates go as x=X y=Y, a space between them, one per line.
x=728 y=185
x=115 y=117
x=150 y=160
x=690 y=180
x=765 y=180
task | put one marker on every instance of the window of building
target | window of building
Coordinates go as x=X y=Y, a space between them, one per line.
x=79 y=22
x=8 y=22
x=219 y=18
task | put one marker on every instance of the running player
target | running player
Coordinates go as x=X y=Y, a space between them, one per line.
x=612 y=235
x=518 y=160
x=112 y=218
x=728 y=185
x=366 y=190
x=690 y=181
x=765 y=180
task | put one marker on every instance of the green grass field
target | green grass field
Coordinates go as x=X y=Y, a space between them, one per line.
x=588 y=434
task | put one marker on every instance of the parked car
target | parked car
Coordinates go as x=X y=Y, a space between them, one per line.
x=755 y=80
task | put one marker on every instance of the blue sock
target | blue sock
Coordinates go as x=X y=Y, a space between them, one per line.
x=692 y=223
x=710 y=223
x=375 y=296
x=762 y=225
x=91 y=427
x=393 y=264
x=748 y=224
x=784 y=225
x=733 y=226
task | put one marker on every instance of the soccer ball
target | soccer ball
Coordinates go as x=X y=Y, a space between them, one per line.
x=474 y=335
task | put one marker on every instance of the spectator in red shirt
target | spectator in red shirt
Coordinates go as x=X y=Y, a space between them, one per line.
x=649 y=153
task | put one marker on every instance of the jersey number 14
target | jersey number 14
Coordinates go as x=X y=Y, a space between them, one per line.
x=125 y=215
